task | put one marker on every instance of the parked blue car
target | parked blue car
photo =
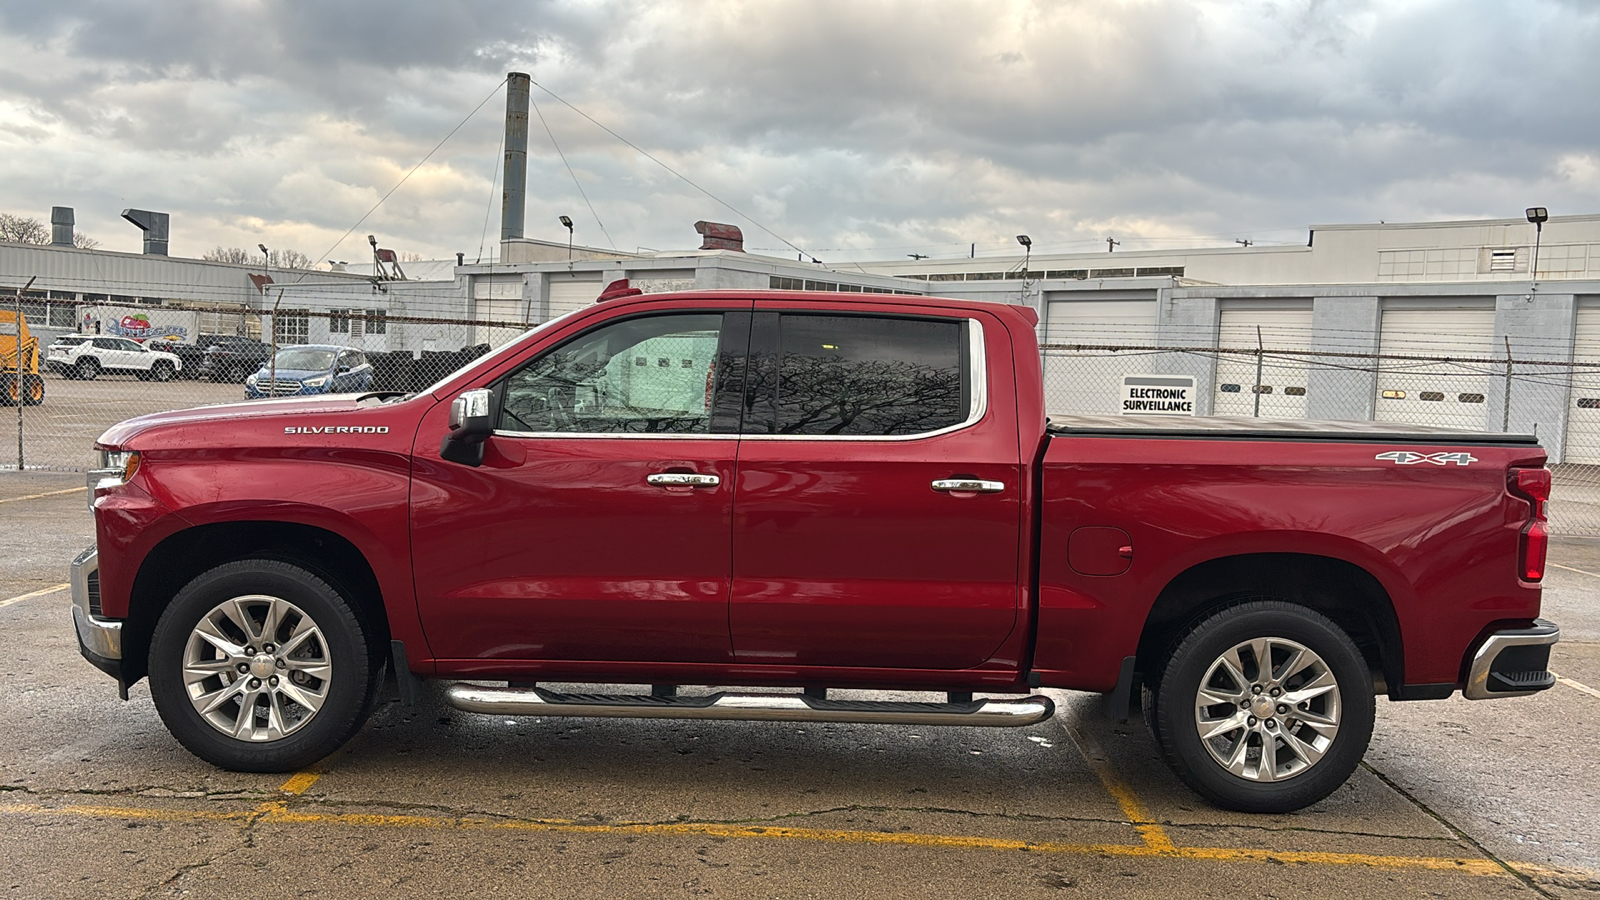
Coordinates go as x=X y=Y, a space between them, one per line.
x=311 y=369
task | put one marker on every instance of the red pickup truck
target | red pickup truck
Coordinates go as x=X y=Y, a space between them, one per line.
x=808 y=491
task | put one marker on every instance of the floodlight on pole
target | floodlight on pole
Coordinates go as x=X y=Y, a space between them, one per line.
x=1537 y=215
x=567 y=221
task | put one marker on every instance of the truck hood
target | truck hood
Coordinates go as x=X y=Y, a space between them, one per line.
x=233 y=414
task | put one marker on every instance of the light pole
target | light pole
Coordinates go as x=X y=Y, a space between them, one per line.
x=1538 y=215
x=567 y=221
x=272 y=361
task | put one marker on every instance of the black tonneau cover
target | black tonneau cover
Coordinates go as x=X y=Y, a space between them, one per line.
x=1244 y=427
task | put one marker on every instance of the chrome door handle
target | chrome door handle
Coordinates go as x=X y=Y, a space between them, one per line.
x=682 y=479
x=969 y=486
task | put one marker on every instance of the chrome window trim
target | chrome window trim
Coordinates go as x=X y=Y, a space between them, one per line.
x=978 y=407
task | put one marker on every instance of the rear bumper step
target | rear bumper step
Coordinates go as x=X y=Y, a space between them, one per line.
x=534 y=701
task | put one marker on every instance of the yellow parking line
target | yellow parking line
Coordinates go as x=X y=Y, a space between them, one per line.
x=300 y=781
x=1571 y=683
x=45 y=494
x=39 y=593
x=1151 y=832
x=278 y=813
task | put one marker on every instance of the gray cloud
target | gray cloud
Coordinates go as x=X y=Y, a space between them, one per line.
x=881 y=126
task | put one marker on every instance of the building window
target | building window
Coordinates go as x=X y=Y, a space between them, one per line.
x=377 y=321
x=1112 y=273
x=780 y=283
x=292 y=328
x=338 y=321
x=1161 y=270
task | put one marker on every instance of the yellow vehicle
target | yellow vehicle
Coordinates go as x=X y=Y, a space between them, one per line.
x=18 y=383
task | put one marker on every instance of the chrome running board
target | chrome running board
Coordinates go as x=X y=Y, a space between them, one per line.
x=535 y=701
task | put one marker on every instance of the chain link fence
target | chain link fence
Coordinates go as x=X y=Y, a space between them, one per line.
x=112 y=363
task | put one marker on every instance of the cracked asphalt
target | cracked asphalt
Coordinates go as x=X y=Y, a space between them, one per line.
x=1455 y=799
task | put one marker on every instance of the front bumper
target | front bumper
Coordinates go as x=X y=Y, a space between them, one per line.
x=99 y=639
x=1513 y=663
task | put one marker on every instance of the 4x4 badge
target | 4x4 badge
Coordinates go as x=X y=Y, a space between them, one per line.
x=1409 y=458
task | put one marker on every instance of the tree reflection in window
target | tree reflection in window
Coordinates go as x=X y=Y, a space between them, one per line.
x=637 y=376
x=859 y=375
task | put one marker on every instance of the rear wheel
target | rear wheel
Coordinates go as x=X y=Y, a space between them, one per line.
x=10 y=389
x=1264 y=707
x=32 y=390
x=261 y=666
x=87 y=368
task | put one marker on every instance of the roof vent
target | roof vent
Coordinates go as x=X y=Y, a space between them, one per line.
x=718 y=236
x=154 y=226
x=61 y=222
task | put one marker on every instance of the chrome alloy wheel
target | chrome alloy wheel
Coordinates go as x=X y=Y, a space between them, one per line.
x=1267 y=709
x=256 y=668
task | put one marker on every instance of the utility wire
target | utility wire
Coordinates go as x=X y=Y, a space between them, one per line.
x=574 y=175
x=407 y=176
x=736 y=211
x=488 y=208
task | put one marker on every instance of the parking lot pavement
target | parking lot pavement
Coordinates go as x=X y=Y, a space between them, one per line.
x=1457 y=799
x=60 y=433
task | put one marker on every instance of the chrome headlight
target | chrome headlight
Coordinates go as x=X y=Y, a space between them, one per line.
x=319 y=381
x=115 y=469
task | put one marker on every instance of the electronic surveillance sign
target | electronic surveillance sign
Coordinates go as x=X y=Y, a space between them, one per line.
x=1157 y=395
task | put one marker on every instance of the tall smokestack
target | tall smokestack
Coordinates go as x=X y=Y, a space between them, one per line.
x=516 y=170
x=61 y=222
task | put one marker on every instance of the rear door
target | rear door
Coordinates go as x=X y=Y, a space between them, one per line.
x=878 y=511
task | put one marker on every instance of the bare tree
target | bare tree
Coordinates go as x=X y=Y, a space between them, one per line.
x=408 y=256
x=235 y=255
x=23 y=230
x=84 y=242
x=277 y=259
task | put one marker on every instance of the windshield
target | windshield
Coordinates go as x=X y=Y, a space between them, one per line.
x=311 y=358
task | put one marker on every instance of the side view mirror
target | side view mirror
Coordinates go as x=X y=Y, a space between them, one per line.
x=470 y=425
x=344 y=369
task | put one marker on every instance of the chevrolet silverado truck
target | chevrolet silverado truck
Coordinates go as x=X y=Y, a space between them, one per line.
x=800 y=493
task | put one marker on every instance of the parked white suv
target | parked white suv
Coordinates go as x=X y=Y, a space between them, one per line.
x=87 y=355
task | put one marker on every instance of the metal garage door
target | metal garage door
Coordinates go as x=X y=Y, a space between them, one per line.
x=1436 y=393
x=566 y=296
x=1090 y=382
x=1583 y=406
x=1281 y=389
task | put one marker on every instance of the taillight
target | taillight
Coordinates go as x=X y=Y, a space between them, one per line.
x=1533 y=485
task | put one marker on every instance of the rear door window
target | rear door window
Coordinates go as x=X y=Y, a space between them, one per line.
x=852 y=375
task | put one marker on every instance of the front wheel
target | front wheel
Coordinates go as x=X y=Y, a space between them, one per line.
x=261 y=666
x=1264 y=707
x=88 y=369
x=161 y=371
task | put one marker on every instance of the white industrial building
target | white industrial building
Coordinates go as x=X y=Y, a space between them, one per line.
x=1462 y=290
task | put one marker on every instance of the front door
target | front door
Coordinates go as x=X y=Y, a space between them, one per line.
x=599 y=526
x=879 y=508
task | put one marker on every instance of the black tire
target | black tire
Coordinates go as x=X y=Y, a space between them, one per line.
x=345 y=645
x=161 y=371
x=87 y=369
x=10 y=389
x=32 y=390
x=1177 y=711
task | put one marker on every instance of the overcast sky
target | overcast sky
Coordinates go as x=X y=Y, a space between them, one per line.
x=855 y=130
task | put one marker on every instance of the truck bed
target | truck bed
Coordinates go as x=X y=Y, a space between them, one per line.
x=1277 y=429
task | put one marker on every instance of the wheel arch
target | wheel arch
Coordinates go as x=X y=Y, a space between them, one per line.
x=1343 y=591
x=180 y=557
